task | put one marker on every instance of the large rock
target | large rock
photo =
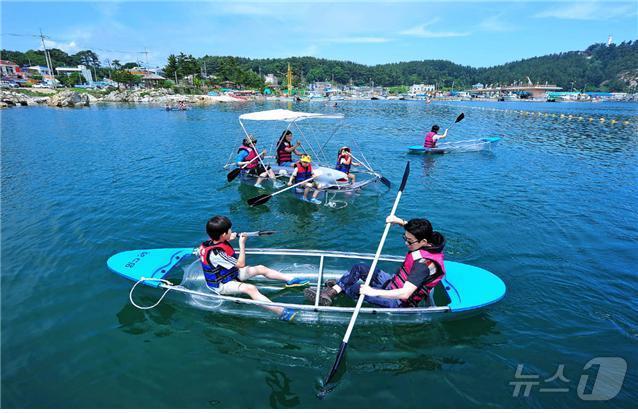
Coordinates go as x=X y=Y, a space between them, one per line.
x=69 y=99
x=10 y=98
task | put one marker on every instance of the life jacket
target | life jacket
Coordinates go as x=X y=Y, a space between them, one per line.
x=429 y=140
x=428 y=284
x=216 y=274
x=343 y=167
x=252 y=156
x=282 y=154
x=303 y=173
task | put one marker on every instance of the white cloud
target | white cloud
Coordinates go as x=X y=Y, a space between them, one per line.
x=69 y=47
x=423 y=31
x=589 y=11
x=356 y=39
x=496 y=24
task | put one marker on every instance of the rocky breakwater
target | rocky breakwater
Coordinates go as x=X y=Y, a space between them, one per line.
x=10 y=98
x=70 y=99
x=163 y=97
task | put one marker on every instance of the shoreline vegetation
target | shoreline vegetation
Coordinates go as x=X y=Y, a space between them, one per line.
x=77 y=97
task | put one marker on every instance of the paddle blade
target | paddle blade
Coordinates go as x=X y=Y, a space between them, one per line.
x=262 y=233
x=385 y=181
x=335 y=366
x=460 y=118
x=405 y=177
x=258 y=200
x=233 y=174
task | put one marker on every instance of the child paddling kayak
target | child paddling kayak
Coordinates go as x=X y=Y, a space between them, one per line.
x=226 y=271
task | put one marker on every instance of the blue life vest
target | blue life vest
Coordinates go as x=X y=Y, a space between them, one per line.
x=343 y=167
x=303 y=173
x=216 y=274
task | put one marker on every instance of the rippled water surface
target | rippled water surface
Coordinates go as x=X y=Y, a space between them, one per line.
x=552 y=211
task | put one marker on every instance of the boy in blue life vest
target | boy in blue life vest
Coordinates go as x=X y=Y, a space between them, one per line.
x=302 y=172
x=226 y=271
x=249 y=160
x=421 y=271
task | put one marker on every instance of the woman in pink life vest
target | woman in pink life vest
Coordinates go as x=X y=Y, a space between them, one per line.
x=421 y=271
x=432 y=137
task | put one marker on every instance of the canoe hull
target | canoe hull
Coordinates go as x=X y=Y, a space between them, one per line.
x=472 y=145
x=464 y=291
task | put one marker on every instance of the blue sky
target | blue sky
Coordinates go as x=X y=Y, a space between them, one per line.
x=475 y=33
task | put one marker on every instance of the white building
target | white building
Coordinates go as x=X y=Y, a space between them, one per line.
x=86 y=73
x=421 y=88
x=271 y=79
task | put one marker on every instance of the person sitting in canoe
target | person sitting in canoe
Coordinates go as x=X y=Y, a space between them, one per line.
x=249 y=160
x=344 y=162
x=432 y=137
x=285 y=149
x=226 y=271
x=421 y=271
x=302 y=172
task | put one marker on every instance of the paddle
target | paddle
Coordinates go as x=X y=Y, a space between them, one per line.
x=258 y=233
x=344 y=342
x=458 y=119
x=383 y=179
x=235 y=172
x=262 y=199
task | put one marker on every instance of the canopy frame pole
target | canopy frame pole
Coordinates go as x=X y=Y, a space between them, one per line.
x=310 y=145
x=319 y=279
x=339 y=125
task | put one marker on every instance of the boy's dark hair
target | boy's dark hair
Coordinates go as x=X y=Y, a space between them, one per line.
x=217 y=226
x=420 y=228
x=435 y=128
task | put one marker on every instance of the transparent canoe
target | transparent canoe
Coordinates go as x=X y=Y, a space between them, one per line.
x=470 y=145
x=464 y=291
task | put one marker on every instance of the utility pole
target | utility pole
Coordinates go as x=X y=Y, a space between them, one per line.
x=47 y=58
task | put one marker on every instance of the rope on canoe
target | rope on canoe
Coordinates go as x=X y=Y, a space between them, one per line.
x=130 y=294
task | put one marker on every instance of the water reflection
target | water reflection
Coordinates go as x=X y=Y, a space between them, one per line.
x=281 y=396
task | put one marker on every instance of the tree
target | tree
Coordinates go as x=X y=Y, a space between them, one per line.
x=116 y=64
x=126 y=78
x=171 y=67
x=86 y=58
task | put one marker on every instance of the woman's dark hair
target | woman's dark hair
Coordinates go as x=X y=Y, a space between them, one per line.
x=218 y=226
x=420 y=228
x=285 y=133
x=435 y=128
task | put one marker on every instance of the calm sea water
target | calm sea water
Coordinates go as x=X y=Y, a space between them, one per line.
x=553 y=212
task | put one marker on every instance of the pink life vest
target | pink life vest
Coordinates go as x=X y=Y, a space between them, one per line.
x=252 y=156
x=424 y=289
x=429 y=140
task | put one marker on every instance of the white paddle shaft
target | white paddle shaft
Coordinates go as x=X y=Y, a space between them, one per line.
x=372 y=267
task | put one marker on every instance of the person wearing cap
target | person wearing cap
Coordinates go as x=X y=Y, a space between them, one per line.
x=344 y=162
x=303 y=171
x=252 y=162
x=432 y=137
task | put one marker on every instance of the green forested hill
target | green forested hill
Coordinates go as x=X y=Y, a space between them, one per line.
x=599 y=67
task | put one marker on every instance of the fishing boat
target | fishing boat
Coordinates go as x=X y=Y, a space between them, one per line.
x=464 y=291
x=335 y=188
x=470 y=145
